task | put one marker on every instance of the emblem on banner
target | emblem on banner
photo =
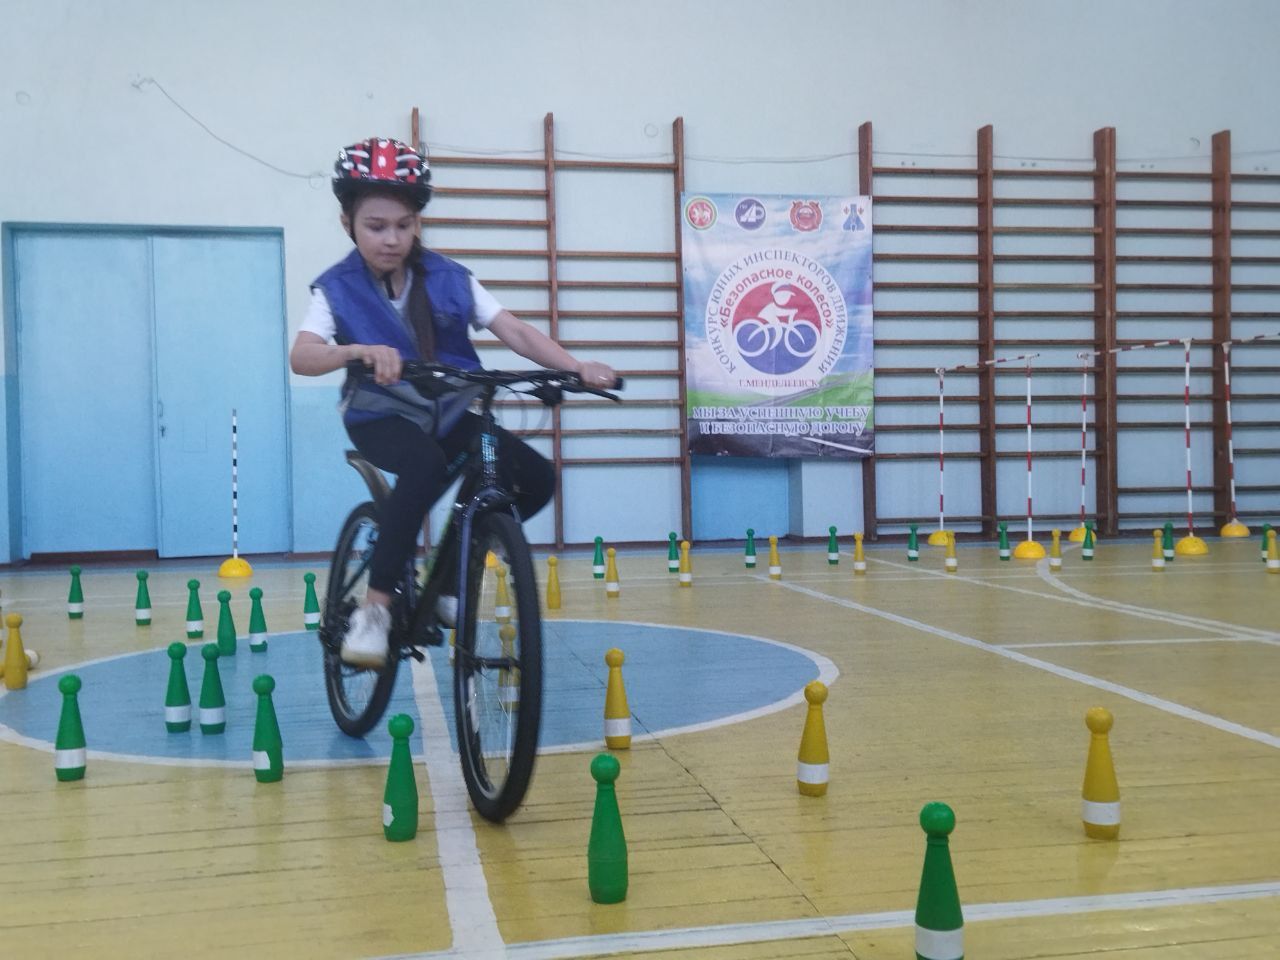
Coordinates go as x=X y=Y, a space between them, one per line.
x=749 y=214
x=776 y=321
x=806 y=215
x=700 y=212
x=853 y=217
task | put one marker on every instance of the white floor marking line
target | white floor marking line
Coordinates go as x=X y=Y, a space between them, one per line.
x=1081 y=599
x=690 y=938
x=466 y=891
x=828 y=673
x=10 y=735
x=1265 y=636
x=1128 y=643
x=1177 y=709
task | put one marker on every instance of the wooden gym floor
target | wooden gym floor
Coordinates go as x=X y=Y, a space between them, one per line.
x=968 y=688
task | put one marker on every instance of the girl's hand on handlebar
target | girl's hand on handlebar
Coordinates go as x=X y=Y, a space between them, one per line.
x=598 y=375
x=385 y=361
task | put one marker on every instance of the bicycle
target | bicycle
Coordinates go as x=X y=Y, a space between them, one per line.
x=497 y=663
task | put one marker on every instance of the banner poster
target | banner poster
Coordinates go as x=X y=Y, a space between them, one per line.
x=777 y=317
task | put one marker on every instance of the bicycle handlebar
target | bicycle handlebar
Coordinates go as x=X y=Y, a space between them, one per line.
x=554 y=380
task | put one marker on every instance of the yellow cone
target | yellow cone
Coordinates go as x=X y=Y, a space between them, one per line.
x=612 y=587
x=1028 y=550
x=235 y=567
x=553 y=584
x=775 y=562
x=686 y=565
x=1100 y=809
x=15 y=658
x=1191 y=546
x=859 y=558
x=952 y=562
x=813 y=761
x=1055 y=551
x=617 y=715
x=1157 y=550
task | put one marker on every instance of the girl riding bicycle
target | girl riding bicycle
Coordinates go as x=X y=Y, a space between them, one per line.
x=390 y=300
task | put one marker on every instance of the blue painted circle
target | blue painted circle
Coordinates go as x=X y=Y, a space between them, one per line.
x=675 y=677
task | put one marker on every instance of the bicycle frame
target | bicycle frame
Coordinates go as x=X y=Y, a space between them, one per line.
x=481 y=492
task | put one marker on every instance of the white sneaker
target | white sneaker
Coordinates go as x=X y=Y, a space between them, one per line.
x=365 y=644
x=447 y=610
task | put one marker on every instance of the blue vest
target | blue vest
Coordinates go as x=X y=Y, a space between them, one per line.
x=363 y=314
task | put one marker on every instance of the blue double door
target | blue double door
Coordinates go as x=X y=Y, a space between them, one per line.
x=133 y=348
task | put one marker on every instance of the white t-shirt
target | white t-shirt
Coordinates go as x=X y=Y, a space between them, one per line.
x=319 y=319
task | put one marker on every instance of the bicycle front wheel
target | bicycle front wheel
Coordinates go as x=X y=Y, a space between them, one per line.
x=497 y=676
x=358 y=696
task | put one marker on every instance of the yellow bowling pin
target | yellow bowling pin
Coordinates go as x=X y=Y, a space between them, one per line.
x=1100 y=808
x=501 y=601
x=686 y=565
x=1273 y=553
x=612 y=587
x=617 y=715
x=859 y=558
x=508 y=680
x=15 y=658
x=775 y=562
x=952 y=563
x=813 y=761
x=1055 y=551
x=553 y=583
x=1157 y=550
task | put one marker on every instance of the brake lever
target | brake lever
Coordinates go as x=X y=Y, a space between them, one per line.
x=550 y=394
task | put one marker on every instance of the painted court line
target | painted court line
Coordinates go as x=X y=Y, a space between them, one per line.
x=466 y=891
x=1080 y=598
x=1263 y=636
x=828 y=673
x=1168 y=706
x=10 y=735
x=690 y=938
x=1128 y=643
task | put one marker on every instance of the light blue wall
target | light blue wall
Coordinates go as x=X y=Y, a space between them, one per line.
x=771 y=93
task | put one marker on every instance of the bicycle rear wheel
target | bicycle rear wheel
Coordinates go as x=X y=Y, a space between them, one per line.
x=497 y=676
x=358 y=696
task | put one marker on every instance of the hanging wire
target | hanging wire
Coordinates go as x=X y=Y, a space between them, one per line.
x=153 y=82
x=666 y=156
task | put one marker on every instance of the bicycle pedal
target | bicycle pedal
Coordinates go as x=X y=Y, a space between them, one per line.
x=417 y=653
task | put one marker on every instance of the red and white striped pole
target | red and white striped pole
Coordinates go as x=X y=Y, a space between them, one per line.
x=942 y=442
x=1186 y=417
x=234 y=566
x=1190 y=545
x=1084 y=440
x=1030 y=536
x=971 y=368
x=1088 y=357
x=1233 y=527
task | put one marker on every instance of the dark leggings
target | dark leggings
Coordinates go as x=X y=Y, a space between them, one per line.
x=419 y=462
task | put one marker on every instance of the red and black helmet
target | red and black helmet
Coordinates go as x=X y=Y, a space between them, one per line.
x=385 y=165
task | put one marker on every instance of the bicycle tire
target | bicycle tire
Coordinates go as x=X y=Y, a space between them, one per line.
x=498 y=739
x=358 y=696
